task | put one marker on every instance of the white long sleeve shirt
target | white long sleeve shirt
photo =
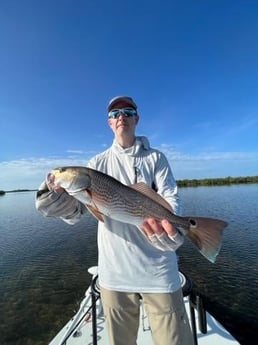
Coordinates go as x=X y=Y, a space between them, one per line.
x=127 y=261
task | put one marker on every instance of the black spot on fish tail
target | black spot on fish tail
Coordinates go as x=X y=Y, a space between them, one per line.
x=192 y=222
x=206 y=234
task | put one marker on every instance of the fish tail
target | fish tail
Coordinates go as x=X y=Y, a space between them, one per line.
x=206 y=234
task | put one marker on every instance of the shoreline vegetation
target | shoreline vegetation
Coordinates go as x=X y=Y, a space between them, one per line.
x=221 y=181
x=3 y=192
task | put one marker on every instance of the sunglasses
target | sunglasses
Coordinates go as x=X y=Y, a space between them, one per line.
x=115 y=113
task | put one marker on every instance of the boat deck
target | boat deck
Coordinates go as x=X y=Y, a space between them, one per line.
x=87 y=327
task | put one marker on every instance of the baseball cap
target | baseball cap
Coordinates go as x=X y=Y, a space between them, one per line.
x=117 y=99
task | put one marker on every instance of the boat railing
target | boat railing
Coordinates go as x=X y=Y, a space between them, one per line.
x=91 y=311
x=196 y=303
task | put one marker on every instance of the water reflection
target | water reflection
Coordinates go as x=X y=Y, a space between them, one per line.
x=44 y=262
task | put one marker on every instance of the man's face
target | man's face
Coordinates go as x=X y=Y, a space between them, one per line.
x=123 y=124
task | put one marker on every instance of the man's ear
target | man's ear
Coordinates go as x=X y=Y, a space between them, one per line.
x=136 y=119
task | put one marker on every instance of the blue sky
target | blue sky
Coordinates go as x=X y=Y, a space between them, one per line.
x=191 y=66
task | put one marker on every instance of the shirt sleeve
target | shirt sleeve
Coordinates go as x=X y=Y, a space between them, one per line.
x=165 y=183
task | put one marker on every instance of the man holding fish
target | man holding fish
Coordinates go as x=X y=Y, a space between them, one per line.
x=137 y=256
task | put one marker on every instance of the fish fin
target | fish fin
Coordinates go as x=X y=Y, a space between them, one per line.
x=206 y=234
x=150 y=193
x=95 y=212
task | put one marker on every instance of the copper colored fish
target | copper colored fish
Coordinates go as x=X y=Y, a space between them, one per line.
x=105 y=196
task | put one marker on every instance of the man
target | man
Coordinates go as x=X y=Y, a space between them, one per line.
x=133 y=263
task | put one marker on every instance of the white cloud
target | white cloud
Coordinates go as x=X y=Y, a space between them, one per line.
x=29 y=173
x=78 y=152
x=210 y=164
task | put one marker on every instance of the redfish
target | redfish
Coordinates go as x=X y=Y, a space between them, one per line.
x=103 y=195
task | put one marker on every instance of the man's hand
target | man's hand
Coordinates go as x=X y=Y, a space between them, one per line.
x=163 y=234
x=151 y=227
x=58 y=203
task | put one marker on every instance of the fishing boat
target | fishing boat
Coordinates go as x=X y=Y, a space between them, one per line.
x=87 y=326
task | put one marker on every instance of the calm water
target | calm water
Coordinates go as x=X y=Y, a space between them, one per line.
x=44 y=262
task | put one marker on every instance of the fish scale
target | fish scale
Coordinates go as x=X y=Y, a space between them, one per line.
x=132 y=201
x=123 y=202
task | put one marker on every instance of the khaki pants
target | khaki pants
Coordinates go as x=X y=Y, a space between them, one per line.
x=166 y=313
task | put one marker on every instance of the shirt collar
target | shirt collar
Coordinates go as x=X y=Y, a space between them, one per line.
x=141 y=142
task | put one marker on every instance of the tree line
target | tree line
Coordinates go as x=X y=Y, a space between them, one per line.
x=217 y=181
x=2 y=192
